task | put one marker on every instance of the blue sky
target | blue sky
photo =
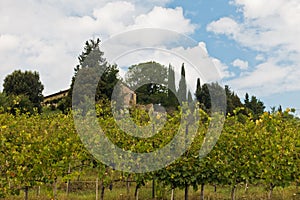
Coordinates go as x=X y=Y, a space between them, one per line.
x=227 y=49
x=253 y=44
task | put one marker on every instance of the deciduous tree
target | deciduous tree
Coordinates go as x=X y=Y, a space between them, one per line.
x=25 y=83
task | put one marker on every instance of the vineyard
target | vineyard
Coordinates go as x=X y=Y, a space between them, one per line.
x=40 y=150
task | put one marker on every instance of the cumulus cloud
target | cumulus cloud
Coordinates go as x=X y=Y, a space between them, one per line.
x=225 y=26
x=265 y=25
x=264 y=79
x=198 y=63
x=260 y=57
x=272 y=30
x=165 y=17
x=47 y=36
x=243 y=65
x=259 y=9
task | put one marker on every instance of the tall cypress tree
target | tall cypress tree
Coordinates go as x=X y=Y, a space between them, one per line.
x=190 y=97
x=172 y=99
x=171 y=78
x=182 y=91
x=246 y=101
x=198 y=90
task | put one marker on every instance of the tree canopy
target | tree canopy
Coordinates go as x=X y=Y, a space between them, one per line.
x=254 y=106
x=96 y=68
x=27 y=84
x=149 y=80
x=182 y=88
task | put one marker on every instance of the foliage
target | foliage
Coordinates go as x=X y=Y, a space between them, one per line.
x=198 y=90
x=38 y=149
x=182 y=88
x=172 y=103
x=254 y=106
x=149 y=80
x=206 y=91
x=25 y=83
x=233 y=101
x=211 y=94
x=92 y=67
x=190 y=97
x=16 y=104
x=203 y=97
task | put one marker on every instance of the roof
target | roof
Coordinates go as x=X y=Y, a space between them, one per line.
x=57 y=94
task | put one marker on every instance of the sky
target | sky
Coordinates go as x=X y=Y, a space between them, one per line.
x=251 y=45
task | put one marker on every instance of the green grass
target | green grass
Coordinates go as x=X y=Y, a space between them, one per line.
x=119 y=193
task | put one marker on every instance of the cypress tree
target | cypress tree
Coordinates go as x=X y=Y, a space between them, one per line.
x=182 y=91
x=198 y=90
x=171 y=78
x=172 y=99
x=247 y=101
x=190 y=97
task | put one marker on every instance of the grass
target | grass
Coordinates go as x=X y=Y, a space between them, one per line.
x=119 y=193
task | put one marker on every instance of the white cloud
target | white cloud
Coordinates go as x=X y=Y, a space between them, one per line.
x=225 y=26
x=271 y=29
x=266 y=25
x=243 y=65
x=8 y=42
x=222 y=69
x=198 y=63
x=267 y=78
x=260 y=57
x=259 y=9
x=167 y=18
x=47 y=36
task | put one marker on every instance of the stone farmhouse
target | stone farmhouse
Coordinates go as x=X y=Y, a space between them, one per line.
x=128 y=95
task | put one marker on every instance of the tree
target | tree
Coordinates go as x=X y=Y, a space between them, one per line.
x=246 y=101
x=198 y=90
x=3 y=102
x=107 y=82
x=149 y=80
x=203 y=95
x=94 y=66
x=190 y=97
x=25 y=83
x=182 y=91
x=279 y=108
x=254 y=106
x=171 y=79
x=204 y=98
x=15 y=104
x=172 y=99
x=233 y=101
x=211 y=94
